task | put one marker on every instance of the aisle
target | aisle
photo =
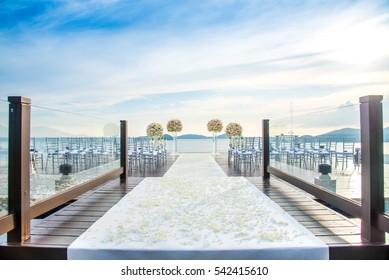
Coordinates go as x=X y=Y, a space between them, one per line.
x=196 y=212
x=195 y=165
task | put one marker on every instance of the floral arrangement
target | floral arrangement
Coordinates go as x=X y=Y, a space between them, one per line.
x=215 y=125
x=234 y=129
x=154 y=129
x=174 y=125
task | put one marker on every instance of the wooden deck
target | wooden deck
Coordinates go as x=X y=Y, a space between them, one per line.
x=52 y=235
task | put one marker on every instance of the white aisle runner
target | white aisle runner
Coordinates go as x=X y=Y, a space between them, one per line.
x=196 y=212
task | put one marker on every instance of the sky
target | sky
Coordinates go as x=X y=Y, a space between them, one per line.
x=152 y=61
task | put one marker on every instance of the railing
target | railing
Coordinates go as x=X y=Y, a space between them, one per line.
x=54 y=157
x=343 y=168
x=5 y=219
x=383 y=219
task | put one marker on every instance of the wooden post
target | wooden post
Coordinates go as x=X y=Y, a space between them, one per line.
x=372 y=167
x=19 y=167
x=265 y=149
x=124 y=150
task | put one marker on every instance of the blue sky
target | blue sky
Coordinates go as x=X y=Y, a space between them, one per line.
x=150 y=61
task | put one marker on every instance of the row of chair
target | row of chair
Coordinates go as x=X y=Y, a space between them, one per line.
x=309 y=153
x=146 y=153
x=47 y=154
x=83 y=153
x=245 y=152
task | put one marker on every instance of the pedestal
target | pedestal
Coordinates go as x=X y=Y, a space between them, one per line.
x=325 y=181
x=214 y=148
x=174 y=143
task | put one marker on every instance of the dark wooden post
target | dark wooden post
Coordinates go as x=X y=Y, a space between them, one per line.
x=124 y=150
x=265 y=149
x=372 y=167
x=19 y=167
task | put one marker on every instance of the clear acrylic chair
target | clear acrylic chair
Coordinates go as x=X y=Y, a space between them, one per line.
x=347 y=152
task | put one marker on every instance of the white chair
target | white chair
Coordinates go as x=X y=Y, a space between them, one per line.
x=274 y=149
x=133 y=155
x=245 y=153
x=333 y=149
x=257 y=150
x=54 y=153
x=322 y=153
x=297 y=156
x=148 y=155
x=346 y=153
x=36 y=157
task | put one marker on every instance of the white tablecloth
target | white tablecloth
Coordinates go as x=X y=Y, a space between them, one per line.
x=196 y=212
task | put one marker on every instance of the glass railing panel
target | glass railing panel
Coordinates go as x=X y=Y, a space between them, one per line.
x=69 y=149
x=385 y=109
x=4 y=107
x=329 y=139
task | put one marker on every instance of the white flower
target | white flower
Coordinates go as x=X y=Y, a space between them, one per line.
x=215 y=125
x=154 y=129
x=234 y=129
x=174 y=125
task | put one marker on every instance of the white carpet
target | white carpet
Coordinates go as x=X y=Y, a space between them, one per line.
x=196 y=212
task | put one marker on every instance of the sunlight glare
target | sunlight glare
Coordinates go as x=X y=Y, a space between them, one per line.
x=362 y=43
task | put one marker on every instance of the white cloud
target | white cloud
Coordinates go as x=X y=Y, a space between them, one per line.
x=245 y=66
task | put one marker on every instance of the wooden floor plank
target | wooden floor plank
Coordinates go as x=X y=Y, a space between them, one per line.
x=327 y=224
x=91 y=207
x=50 y=240
x=66 y=224
x=335 y=231
x=57 y=231
x=56 y=218
x=342 y=239
x=82 y=213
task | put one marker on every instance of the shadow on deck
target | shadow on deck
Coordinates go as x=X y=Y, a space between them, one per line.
x=51 y=235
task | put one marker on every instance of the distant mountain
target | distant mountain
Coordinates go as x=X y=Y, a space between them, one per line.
x=307 y=138
x=344 y=132
x=168 y=137
x=222 y=136
x=199 y=136
x=192 y=136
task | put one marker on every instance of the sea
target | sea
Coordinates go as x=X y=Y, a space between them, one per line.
x=198 y=145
